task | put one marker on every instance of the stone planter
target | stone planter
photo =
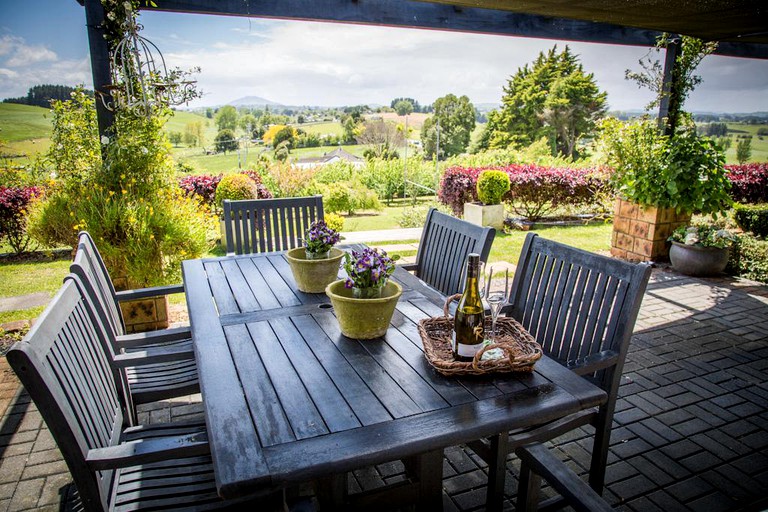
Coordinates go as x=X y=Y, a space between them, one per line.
x=144 y=315
x=363 y=318
x=312 y=276
x=485 y=214
x=640 y=233
x=693 y=260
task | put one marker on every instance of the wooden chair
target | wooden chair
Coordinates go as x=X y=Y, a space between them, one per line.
x=175 y=372
x=537 y=462
x=64 y=364
x=266 y=225
x=445 y=243
x=581 y=307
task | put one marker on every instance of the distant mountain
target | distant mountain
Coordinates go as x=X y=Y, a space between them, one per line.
x=253 y=101
x=487 y=107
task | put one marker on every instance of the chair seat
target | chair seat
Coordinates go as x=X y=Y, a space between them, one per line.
x=182 y=344
x=160 y=381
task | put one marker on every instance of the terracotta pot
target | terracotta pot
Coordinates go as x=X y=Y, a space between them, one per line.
x=312 y=276
x=698 y=261
x=363 y=319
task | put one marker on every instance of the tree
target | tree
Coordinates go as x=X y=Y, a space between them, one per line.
x=413 y=102
x=403 y=107
x=226 y=118
x=225 y=141
x=174 y=138
x=282 y=150
x=381 y=137
x=194 y=134
x=248 y=124
x=552 y=97
x=455 y=117
x=287 y=135
x=744 y=150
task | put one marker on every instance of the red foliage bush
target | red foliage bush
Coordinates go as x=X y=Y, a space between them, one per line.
x=14 y=202
x=535 y=190
x=203 y=186
x=749 y=182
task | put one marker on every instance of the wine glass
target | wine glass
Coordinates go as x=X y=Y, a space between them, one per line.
x=496 y=300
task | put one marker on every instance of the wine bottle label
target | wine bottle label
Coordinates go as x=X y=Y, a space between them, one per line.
x=468 y=350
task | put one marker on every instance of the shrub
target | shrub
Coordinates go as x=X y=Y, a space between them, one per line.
x=458 y=186
x=235 y=187
x=262 y=192
x=749 y=182
x=416 y=217
x=349 y=197
x=201 y=187
x=335 y=222
x=752 y=218
x=14 y=204
x=285 y=180
x=749 y=258
x=225 y=141
x=491 y=186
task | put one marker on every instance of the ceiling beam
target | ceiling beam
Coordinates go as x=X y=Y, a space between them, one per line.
x=436 y=16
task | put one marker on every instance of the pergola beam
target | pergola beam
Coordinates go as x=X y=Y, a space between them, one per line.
x=438 y=16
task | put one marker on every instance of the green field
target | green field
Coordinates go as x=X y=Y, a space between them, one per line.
x=759 y=144
x=324 y=128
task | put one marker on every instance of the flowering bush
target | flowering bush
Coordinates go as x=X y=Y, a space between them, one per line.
x=14 y=202
x=320 y=238
x=458 y=186
x=702 y=235
x=368 y=268
x=749 y=182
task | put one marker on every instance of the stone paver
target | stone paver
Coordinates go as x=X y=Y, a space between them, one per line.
x=690 y=431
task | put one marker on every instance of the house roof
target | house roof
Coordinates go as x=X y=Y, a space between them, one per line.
x=327 y=157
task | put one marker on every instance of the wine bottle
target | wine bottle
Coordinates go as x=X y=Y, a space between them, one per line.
x=469 y=320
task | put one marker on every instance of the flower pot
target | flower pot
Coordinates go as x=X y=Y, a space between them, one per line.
x=485 y=214
x=695 y=260
x=312 y=276
x=363 y=318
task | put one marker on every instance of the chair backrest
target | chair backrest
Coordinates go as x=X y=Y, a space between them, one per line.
x=265 y=225
x=63 y=364
x=580 y=306
x=89 y=266
x=445 y=243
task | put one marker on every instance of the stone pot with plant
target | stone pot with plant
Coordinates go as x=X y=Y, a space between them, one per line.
x=491 y=187
x=700 y=249
x=365 y=302
x=316 y=265
x=660 y=181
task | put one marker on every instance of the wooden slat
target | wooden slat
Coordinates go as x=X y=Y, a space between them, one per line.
x=241 y=290
x=231 y=438
x=275 y=283
x=219 y=287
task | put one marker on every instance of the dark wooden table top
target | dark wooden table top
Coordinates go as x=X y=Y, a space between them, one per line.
x=289 y=399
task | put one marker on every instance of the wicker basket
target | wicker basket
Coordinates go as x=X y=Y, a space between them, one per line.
x=520 y=348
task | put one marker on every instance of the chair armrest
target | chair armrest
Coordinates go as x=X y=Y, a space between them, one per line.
x=144 y=338
x=133 y=453
x=411 y=267
x=153 y=355
x=594 y=362
x=144 y=293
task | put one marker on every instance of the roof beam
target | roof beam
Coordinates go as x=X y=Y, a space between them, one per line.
x=428 y=15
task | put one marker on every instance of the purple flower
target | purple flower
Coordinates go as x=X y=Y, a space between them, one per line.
x=368 y=268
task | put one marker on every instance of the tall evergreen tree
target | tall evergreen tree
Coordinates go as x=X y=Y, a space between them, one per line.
x=456 y=119
x=552 y=97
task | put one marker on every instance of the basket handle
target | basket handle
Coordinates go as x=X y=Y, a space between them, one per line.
x=479 y=354
x=448 y=302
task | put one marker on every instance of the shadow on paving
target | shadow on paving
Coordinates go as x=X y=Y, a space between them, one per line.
x=690 y=430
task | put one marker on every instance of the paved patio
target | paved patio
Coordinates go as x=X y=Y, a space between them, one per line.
x=690 y=433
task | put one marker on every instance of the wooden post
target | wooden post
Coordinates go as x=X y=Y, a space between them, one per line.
x=99 y=49
x=667 y=87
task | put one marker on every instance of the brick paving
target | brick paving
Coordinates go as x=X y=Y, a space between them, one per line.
x=690 y=431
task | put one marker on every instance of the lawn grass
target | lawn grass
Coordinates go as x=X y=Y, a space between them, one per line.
x=30 y=277
x=321 y=128
x=22 y=122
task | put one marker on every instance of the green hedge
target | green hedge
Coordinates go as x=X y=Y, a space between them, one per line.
x=752 y=217
x=749 y=258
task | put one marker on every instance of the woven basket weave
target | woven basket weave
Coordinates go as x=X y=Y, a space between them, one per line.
x=520 y=348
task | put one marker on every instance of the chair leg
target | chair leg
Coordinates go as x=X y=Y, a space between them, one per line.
x=528 y=489
x=427 y=469
x=497 y=466
x=600 y=452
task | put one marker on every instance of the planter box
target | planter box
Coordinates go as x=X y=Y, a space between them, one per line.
x=145 y=314
x=640 y=233
x=485 y=215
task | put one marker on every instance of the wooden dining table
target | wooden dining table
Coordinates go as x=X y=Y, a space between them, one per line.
x=288 y=399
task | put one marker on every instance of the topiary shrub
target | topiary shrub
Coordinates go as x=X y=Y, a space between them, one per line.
x=235 y=187
x=334 y=221
x=491 y=186
x=752 y=218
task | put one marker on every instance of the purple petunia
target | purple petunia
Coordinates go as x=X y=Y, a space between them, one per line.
x=320 y=238
x=368 y=268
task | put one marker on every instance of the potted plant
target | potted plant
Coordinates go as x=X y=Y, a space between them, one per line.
x=491 y=187
x=317 y=263
x=365 y=301
x=700 y=249
x=660 y=181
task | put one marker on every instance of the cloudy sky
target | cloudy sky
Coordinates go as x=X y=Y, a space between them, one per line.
x=299 y=63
